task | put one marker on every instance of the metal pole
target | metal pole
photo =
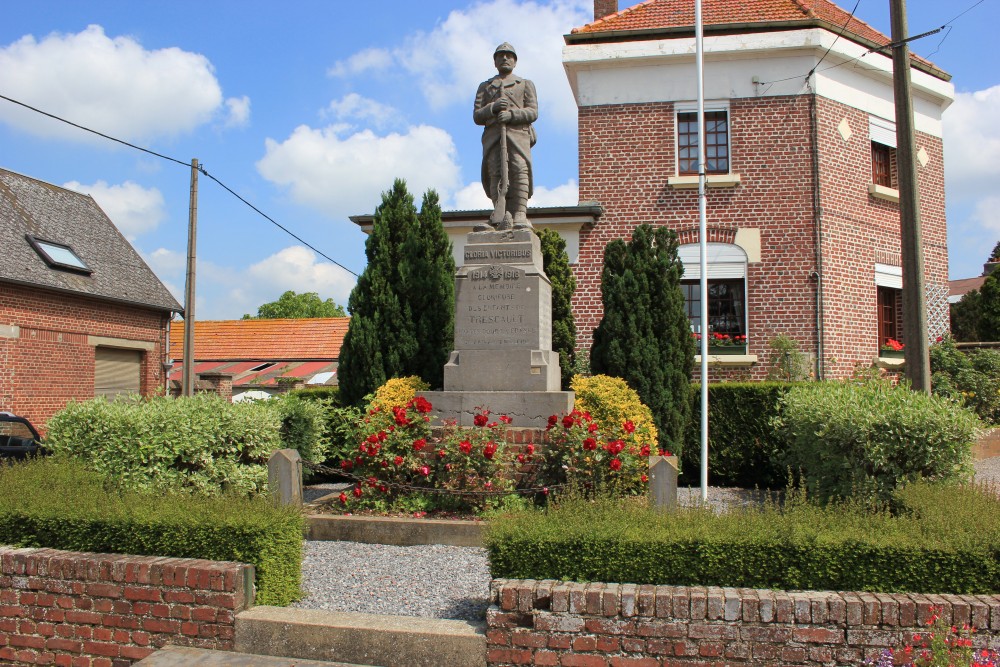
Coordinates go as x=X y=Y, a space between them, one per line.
x=916 y=353
x=187 y=383
x=703 y=247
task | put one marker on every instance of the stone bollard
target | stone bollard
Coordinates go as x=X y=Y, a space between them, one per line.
x=663 y=481
x=284 y=477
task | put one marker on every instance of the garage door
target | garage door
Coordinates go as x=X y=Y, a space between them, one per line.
x=116 y=371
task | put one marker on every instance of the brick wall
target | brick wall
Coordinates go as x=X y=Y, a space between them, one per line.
x=50 y=362
x=627 y=153
x=624 y=625
x=103 y=610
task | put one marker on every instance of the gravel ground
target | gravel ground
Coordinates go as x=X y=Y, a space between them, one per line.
x=439 y=581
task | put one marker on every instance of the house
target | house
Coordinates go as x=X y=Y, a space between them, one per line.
x=803 y=229
x=81 y=314
x=962 y=286
x=258 y=358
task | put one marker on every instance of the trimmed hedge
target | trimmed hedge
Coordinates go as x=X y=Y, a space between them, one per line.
x=203 y=442
x=743 y=448
x=59 y=504
x=947 y=540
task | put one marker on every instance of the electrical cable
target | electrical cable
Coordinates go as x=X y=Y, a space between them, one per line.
x=946 y=26
x=840 y=34
x=188 y=166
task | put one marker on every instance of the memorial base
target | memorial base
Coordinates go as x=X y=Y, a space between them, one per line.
x=525 y=408
x=502 y=370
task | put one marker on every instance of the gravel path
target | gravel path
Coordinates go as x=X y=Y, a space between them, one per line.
x=444 y=582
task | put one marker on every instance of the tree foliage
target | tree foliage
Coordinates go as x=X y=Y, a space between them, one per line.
x=402 y=308
x=965 y=316
x=555 y=263
x=989 y=309
x=644 y=336
x=298 y=306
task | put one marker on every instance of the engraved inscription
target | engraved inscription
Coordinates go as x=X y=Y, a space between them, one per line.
x=501 y=254
x=496 y=309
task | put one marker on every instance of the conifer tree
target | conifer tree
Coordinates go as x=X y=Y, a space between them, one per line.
x=555 y=263
x=644 y=336
x=381 y=338
x=989 y=308
x=427 y=281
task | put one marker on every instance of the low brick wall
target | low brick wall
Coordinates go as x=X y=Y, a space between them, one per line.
x=625 y=625
x=108 y=610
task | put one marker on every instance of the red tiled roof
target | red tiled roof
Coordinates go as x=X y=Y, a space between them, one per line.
x=276 y=340
x=962 y=286
x=666 y=14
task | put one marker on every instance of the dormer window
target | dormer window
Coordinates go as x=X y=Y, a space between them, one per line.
x=59 y=256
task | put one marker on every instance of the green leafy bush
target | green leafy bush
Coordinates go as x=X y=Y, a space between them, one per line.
x=611 y=402
x=743 y=448
x=303 y=426
x=60 y=504
x=971 y=378
x=946 y=541
x=863 y=439
x=203 y=443
x=318 y=393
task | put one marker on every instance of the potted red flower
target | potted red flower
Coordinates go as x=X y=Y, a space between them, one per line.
x=891 y=348
x=720 y=343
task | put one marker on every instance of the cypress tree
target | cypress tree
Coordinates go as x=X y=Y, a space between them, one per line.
x=644 y=336
x=381 y=337
x=989 y=308
x=427 y=281
x=555 y=263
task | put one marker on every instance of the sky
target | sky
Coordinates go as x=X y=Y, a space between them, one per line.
x=309 y=109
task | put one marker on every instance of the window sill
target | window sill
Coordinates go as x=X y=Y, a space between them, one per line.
x=890 y=363
x=882 y=192
x=711 y=181
x=728 y=360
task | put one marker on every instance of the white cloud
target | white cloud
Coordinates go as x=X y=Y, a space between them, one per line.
x=361 y=62
x=471 y=198
x=972 y=144
x=135 y=210
x=452 y=59
x=113 y=85
x=567 y=194
x=166 y=263
x=356 y=107
x=341 y=174
x=986 y=217
x=239 y=111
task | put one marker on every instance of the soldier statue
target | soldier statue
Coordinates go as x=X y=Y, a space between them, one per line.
x=507 y=105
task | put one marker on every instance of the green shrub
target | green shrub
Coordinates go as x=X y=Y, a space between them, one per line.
x=318 y=393
x=863 y=439
x=202 y=443
x=303 y=426
x=971 y=378
x=743 y=448
x=947 y=541
x=397 y=392
x=60 y=504
x=611 y=402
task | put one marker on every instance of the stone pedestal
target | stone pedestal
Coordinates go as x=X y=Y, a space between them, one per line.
x=503 y=359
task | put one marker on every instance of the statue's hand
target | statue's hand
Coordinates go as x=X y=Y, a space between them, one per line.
x=505 y=116
x=499 y=106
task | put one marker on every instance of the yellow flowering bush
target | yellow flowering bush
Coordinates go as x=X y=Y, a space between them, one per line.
x=396 y=392
x=611 y=403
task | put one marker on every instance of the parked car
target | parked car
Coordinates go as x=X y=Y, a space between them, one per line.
x=18 y=438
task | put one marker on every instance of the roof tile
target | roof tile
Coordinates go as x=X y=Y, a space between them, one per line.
x=260 y=339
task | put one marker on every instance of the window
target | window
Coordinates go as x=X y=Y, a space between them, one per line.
x=727 y=270
x=716 y=142
x=58 y=256
x=889 y=306
x=726 y=306
x=883 y=165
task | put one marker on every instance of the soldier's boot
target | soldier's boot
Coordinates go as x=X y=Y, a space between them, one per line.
x=517 y=202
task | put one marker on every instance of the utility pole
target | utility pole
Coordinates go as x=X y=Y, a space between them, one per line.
x=918 y=366
x=187 y=382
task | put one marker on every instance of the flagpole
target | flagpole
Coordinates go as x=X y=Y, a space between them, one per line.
x=702 y=246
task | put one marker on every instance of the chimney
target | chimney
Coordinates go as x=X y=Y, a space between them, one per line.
x=604 y=8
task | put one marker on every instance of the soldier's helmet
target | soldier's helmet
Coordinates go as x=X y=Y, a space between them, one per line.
x=506 y=47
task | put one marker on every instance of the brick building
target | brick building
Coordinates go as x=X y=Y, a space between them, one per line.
x=803 y=214
x=81 y=314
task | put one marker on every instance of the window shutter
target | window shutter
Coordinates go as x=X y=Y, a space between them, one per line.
x=887 y=275
x=882 y=131
x=724 y=261
x=116 y=371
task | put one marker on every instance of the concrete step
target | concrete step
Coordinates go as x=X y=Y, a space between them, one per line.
x=183 y=656
x=362 y=639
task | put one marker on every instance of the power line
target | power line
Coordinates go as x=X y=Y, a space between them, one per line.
x=186 y=165
x=843 y=29
x=878 y=49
